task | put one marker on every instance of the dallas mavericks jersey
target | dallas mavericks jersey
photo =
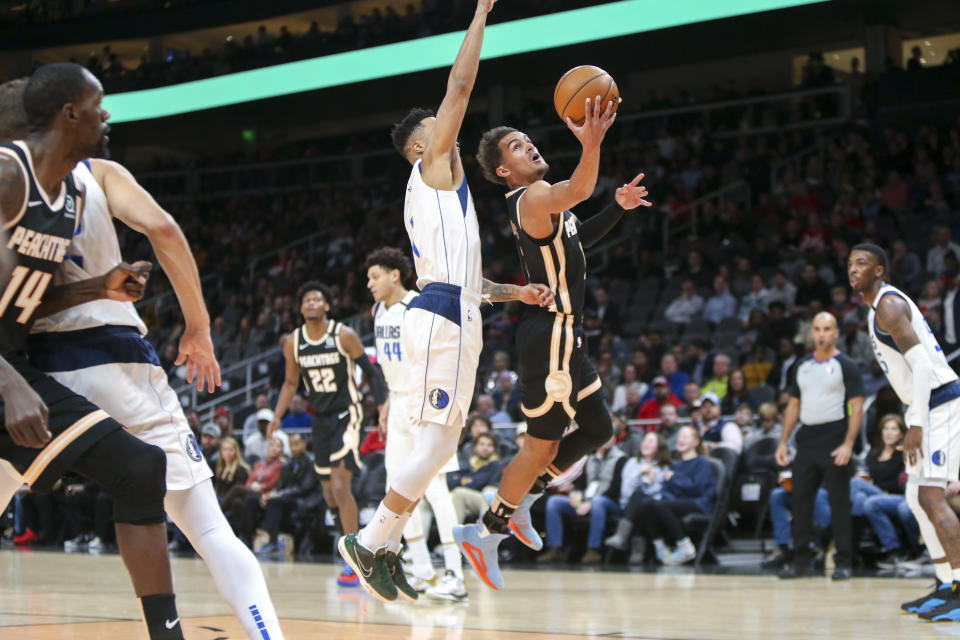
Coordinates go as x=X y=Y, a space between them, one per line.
x=94 y=251
x=892 y=362
x=444 y=232
x=327 y=370
x=387 y=325
x=39 y=235
x=557 y=261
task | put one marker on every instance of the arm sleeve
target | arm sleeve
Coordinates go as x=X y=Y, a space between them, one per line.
x=374 y=377
x=593 y=230
x=918 y=415
x=852 y=379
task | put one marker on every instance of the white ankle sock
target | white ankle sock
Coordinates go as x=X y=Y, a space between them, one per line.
x=944 y=572
x=393 y=541
x=377 y=532
x=955 y=574
x=452 y=560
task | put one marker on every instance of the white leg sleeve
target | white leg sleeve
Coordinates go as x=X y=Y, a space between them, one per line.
x=436 y=444
x=233 y=566
x=927 y=530
x=438 y=495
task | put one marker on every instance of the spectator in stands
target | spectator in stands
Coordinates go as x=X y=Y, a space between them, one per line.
x=262 y=401
x=758 y=366
x=661 y=396
x=231 y=469
x=468 y=483
x=256 y=446
x=782 y=291
x=755 y=298
x=855 y=343
x=715 y=431
x=626 y=438
x=786 y=359
x=683 y=309
x=501 y=364
x=506 y=398
x=193 y=420
x=696 y=359
x=643 y=477
x=781 y=506
x=607 y=312
x=722 y=304
x=905 y=266
x=721 y=376
x=210 y=443
x=883 y=500
x=915 y=61
x=669 y=427
x=950 y=312
x=813 y=294
x=737 y=392
x=297 y=416
x=221 y=418
x=220 y=335
x=628 y=382
x=641 y=361
x=689 y=487
x=487 y=407
x=263 y=478
x=677 y=379
x=691 y=397
x=600 y=493
x=296 y=493
x=930 y=297
x=476 y=424
x=767 y=425
x=841 y=305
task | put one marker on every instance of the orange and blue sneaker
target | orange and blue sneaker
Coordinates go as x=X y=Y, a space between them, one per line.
x=481 y=553
x=520 y=523
x=348 y=577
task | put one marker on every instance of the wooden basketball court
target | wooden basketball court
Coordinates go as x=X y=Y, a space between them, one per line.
x=57 y=596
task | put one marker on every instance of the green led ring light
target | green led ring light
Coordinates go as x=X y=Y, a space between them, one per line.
x=506 y=39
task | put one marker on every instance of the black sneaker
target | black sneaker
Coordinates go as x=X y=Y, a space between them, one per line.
x=939 y=595
x=778 y=561
x=797 y=570
x=404 y=589
x=949 y=611
x=841 y=572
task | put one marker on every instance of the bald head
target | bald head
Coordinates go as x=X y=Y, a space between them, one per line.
x=825 y=332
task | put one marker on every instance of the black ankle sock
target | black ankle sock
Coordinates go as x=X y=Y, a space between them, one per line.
x=540 y=484
x=496 y=523
x=160 y=614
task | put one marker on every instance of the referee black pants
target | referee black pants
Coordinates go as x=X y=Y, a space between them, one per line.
x=812 y=467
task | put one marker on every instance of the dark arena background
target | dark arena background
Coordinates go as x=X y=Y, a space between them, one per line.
x=773 y=135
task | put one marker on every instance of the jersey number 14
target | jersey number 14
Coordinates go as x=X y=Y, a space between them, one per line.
x=31 y=292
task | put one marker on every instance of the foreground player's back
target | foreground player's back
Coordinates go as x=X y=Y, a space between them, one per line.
x=444 y=232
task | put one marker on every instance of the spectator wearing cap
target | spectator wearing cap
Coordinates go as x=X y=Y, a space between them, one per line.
x=683 y=309
x=716 y=432
x=221 y=418
x=855 y=343
x=722 y=304
x=506 y=398
x=297 y=416
x=721 y=376
x=650 y=410
x=255 y=447
x=262 y=401
x=675 y=378
x=210 y=443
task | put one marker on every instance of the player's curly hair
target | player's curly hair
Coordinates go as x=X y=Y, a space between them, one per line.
x=313 y=285
x=13 y=117
x=389 y=258
x=404 y=129
x=488 y=153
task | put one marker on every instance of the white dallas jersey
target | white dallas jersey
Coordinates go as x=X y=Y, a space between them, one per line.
x=892 y=362
x=444 y=232
x=94 y=251
x=387 y=326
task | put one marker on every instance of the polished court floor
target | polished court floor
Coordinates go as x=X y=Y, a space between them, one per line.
x=56 y=596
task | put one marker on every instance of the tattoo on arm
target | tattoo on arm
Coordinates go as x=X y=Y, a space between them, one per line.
x=495 y=292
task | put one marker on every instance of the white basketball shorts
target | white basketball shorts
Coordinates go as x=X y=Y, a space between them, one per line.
x=940 y=463
x=402 y=436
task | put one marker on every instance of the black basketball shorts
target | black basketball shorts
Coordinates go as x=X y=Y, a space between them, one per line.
x=555 y=372
x=336 y=437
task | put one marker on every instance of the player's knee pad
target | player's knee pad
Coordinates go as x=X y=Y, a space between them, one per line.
x=593 y=419
x=139 y=488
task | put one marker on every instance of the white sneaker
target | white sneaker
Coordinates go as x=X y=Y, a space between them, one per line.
x=450 y=588
x=75 y=543
x=683 y=554
x=421 y=585
x=96 y=545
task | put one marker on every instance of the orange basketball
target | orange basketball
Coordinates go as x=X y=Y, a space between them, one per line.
x=580 y=83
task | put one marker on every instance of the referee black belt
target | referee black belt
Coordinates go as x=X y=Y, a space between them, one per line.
x=944 y=394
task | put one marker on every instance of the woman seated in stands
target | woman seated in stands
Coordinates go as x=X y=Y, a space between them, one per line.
x=642 y=479
x=262 y=480
x=881 y=500
x=689 y=487
x=231 y=469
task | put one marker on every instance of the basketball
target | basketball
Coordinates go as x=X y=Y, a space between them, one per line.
x=580 y=83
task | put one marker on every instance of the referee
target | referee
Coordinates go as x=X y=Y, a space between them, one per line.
x=827 y=394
